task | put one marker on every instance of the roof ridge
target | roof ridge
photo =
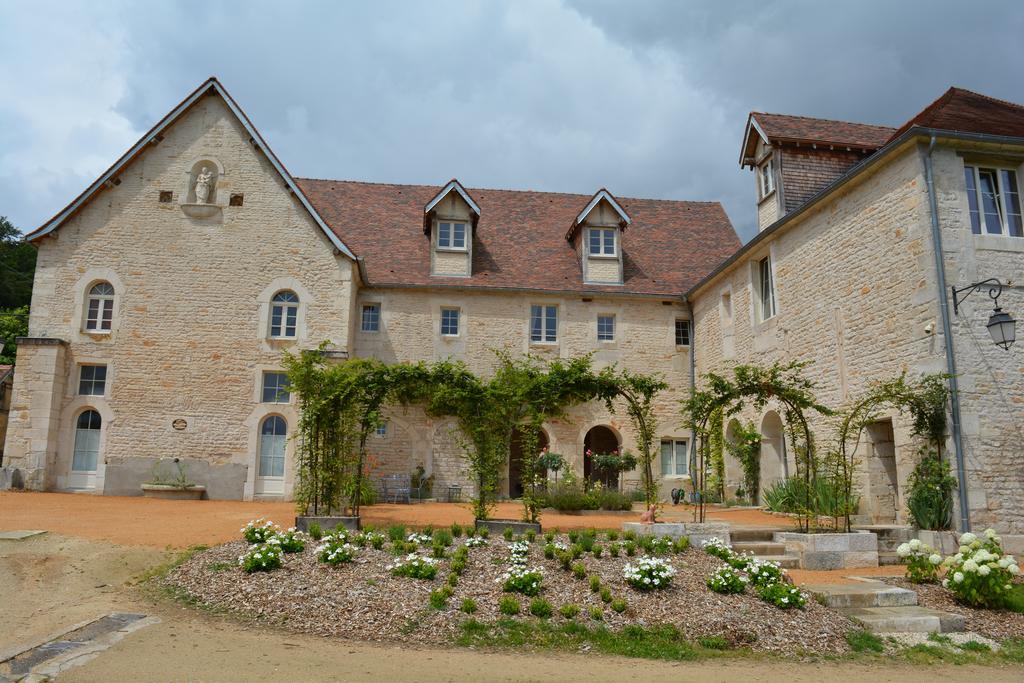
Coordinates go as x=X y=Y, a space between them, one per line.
x=820 y=118
x=501 y=189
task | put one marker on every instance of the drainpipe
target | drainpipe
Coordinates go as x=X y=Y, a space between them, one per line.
x=693 y=379
x=947 y=335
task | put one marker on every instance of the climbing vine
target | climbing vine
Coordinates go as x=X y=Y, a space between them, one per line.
x=745 y=446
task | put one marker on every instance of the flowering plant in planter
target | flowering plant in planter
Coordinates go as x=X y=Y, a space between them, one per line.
x=336 y=550
x=764 y=573
x=518 y=553
x=522 y=579
x=259 y=530
x=261 y=558
x=727 y=580
x=370 y=538
x=980 y=575
x=649 y=573
x=716 y=547
x=922 y=561
x=475 y=542
x=420 y=539
x=782 y=595
x=291 y=541
x=415 y=566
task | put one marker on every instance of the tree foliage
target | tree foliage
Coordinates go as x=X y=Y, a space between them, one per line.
x=17 y=267
x=744 y=445
x=13 y=324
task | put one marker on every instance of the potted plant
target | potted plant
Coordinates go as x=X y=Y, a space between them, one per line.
x=175 y=485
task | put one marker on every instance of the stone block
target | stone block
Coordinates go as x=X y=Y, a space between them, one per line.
x=822 y=560
x=865 y=558
x=326 y=522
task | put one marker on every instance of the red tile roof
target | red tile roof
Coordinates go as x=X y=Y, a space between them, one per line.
x=969 y=112
x=787 y=128
x=520 y=239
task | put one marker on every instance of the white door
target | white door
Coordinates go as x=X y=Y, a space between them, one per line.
x=87 y=451
x=270 y=463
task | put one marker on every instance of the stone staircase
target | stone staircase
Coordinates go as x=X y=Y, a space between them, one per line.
x=761 y=544
x=881 y=608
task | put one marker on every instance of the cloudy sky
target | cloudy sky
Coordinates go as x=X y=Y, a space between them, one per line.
x=646 y=97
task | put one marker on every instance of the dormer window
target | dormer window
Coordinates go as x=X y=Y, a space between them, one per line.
x=766 y=178
x=451 y=235
x=601 y=241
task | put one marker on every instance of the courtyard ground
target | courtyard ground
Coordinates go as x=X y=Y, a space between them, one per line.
x=137 y=521
x=52 y=582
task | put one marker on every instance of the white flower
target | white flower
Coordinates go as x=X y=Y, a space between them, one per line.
x=983 y=570
x=935 y=558
x=990 y=533
x=1003 y=563
x=968 y=538
x=970 y=566
x=958 y=578
x=945 y=583
x=1013 y=569
x=915 y=544
x=903 y=550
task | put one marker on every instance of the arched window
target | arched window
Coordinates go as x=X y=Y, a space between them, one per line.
x=87 y=442
x=284 y=312
x=273 y=434
x=100 y=308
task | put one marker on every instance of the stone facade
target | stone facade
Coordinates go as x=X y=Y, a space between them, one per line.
x=856 y=295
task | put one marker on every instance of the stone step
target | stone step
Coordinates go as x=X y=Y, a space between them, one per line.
x=759 y=548
x=905 y=619
x=784 y=561
x=753 y=535
x=863 y=595
x=888 y=557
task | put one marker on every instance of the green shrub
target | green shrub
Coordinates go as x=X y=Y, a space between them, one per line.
x=521 y=579
x=335 y=550
x=630 y=547
x=596 y=614
x=415 y=567
x=681 y=544
x=508 y=606
x=782 y=595
x=539 y=607
x=470 y=531
x=570 y=498
x=549 y=537
x=453 y=579
x=922 y=561
x=606 y=499
x=549 y=551
x=564 y=559
x=595 y=583
x=574 y=536
x=438 y=598
x=576 y=550
x=396 y=532
x=437 y=551
x=443 y=537
x=569 y=611
x=456 y=530
x=259 y=531
x=579 y=571
x=291 y=541
x=508 y=533
x=613 y=549
x=606 y=594
x=468 y=606
x=263 y=557
x=930 y=493
x=597 y=550
x=980 y=575
x=586 y=543
x=458 y=565
x=531 y=536
x=613 y=535
x=713 y=643
x=629 y=535
x=619 y=605
x=727 y=580
x=483 y=532
x=316 y=532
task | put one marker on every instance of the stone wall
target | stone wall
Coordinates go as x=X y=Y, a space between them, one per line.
x=190 y=334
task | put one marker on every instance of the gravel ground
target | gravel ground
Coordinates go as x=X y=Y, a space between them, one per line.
x=995 y=624
x=362 y=600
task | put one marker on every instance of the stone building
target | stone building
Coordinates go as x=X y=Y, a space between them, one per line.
x=864 y=230
x=165 y=294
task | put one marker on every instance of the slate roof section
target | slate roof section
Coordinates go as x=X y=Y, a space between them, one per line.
x=786 y=128
x=965 y=111
x=520 y=241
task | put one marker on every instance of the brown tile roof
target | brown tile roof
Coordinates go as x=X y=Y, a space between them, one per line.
x=784 y=127
x=969 y=112
x=520 y=239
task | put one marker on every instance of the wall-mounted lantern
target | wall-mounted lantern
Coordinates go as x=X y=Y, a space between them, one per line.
x=1001 y=326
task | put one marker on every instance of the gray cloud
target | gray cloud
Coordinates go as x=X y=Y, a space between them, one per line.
x=646 y=98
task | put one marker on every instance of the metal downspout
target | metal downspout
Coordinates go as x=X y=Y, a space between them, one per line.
x=947 y=335
x=693 y=378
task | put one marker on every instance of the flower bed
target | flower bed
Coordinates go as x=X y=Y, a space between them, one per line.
x=363 y=599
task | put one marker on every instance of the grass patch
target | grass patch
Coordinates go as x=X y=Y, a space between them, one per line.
x=975 y=646
x=864 y=641
x=220 y=566
x=1015 y=598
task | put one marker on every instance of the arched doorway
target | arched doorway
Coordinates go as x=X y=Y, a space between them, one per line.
x=515 y=461
x=774 y=465
x=599 y=439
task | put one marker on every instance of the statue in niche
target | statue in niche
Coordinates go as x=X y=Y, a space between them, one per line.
x=203 y=182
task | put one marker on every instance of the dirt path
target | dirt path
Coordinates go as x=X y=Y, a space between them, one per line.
x=53 y=582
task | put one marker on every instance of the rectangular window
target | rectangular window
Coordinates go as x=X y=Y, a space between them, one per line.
x=601 y=241
x=449 y=322
x=726 y=309
x=993 y=200
x=682 y=332
x=675 y=461
x=451 y=235
x=543 y=323
x=766 y=178
x=92 y=380
x=606 y=328
x=275 y=388
x=767 y=288
x=382 y=430
x=371 y=318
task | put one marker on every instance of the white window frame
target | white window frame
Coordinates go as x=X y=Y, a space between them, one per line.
x=766 y=177
x=282 y=396
x=689 y=332
x=767 y=307
x=1001 y=192
x=288 y=312
x=458 y=321
x=103 y=321
x=87 y=442
x=606 y=316
x=548 y=328
x=680 y=455
x=93 y=382
x=362 y=318
x=602 y=245
x=448 y=243
x=263 y=442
